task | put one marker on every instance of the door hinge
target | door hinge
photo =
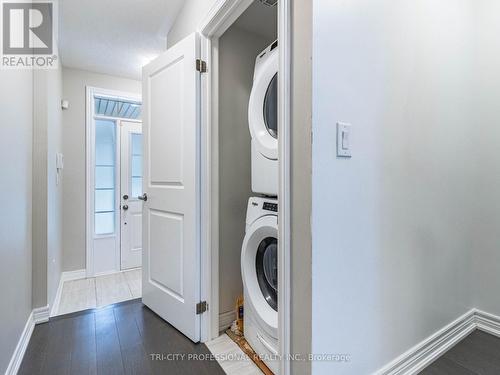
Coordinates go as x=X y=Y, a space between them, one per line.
x=201 y=307
x=201 y=66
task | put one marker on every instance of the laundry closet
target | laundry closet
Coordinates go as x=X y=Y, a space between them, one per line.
x=248 y=174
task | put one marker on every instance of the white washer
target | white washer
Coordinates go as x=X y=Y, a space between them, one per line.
x=259 y=269
x=263 y=122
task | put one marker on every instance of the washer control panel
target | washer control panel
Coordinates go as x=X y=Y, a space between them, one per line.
x=269 y=206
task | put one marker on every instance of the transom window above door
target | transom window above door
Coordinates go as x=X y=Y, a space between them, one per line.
x=111 y=107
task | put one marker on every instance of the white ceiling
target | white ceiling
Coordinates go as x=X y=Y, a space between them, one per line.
x=260 y=19
x=114 y=37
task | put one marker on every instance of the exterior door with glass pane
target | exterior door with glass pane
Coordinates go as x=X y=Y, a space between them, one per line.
x=131 y=188
x=114 y=160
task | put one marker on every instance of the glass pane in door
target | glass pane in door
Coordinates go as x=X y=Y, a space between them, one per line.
x=105 y=166
x=136 y=164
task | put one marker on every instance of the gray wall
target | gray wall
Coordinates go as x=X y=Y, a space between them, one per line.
x=39 y=189
x=485 y=261
x=237 y=52
x=16 y=123
x=188 y=19
x=397 y=228
x=47 y=195
x=300 y=181
x=54 y=190
x=74 y=83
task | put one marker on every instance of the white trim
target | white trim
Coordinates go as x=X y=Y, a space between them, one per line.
x=115 y=94
x=65 y=276
x=284 y=116
x=487 y=322
x=226 y=319
x=37 y=316
x=103 y=117
x=222 y=14
x=209 y=187
x=423 y=354
x=89 y=169
x=41 y=314
x=22 y=344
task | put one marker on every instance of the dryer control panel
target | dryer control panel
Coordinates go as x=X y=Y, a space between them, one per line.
x=269 y=206
x=260 y=206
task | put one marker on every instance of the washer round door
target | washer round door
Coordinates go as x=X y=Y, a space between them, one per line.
x=259 y=268
x=263 y=106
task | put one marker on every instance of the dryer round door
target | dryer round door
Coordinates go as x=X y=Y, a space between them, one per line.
x=259 y=268
x=263 y=107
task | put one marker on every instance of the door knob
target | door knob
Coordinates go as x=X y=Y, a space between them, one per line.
x=143 y=197
x=125 y=197
x=125 y=207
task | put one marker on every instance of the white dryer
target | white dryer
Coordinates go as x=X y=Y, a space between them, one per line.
x=259 y=269
x=263 y=122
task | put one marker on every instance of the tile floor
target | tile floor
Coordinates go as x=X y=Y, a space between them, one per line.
x=100 y=291
x=231 y=358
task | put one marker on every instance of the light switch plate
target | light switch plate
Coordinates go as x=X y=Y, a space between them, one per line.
x=343 y=140
x=59 y=161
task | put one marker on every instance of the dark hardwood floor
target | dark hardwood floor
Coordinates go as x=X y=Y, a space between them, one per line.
x=477 y=354
x=117 y=339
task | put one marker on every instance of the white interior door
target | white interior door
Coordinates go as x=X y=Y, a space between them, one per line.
x=131 y=188
x=171 y=228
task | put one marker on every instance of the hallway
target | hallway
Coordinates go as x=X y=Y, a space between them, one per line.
x=118 y=339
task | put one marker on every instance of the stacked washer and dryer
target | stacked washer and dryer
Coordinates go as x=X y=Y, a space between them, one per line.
x=259 y=255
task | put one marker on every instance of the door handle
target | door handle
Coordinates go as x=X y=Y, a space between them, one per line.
x=125 y=207
x=143 y=197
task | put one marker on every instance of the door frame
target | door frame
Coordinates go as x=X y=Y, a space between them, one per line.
x=219 y=18
x=90 y=92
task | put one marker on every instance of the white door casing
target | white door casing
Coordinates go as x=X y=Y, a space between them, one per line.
x=102 y=250
x=171 y=215
x=219 y=18
x=131 y=206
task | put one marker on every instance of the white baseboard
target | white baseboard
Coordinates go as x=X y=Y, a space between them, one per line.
x=488 y=323
x=41 y=314
x=422 y=355
x=226 y=319
x=22 y=344
x=65 y=276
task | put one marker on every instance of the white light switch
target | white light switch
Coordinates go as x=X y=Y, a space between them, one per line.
x=59 y=167
x=343 y=140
